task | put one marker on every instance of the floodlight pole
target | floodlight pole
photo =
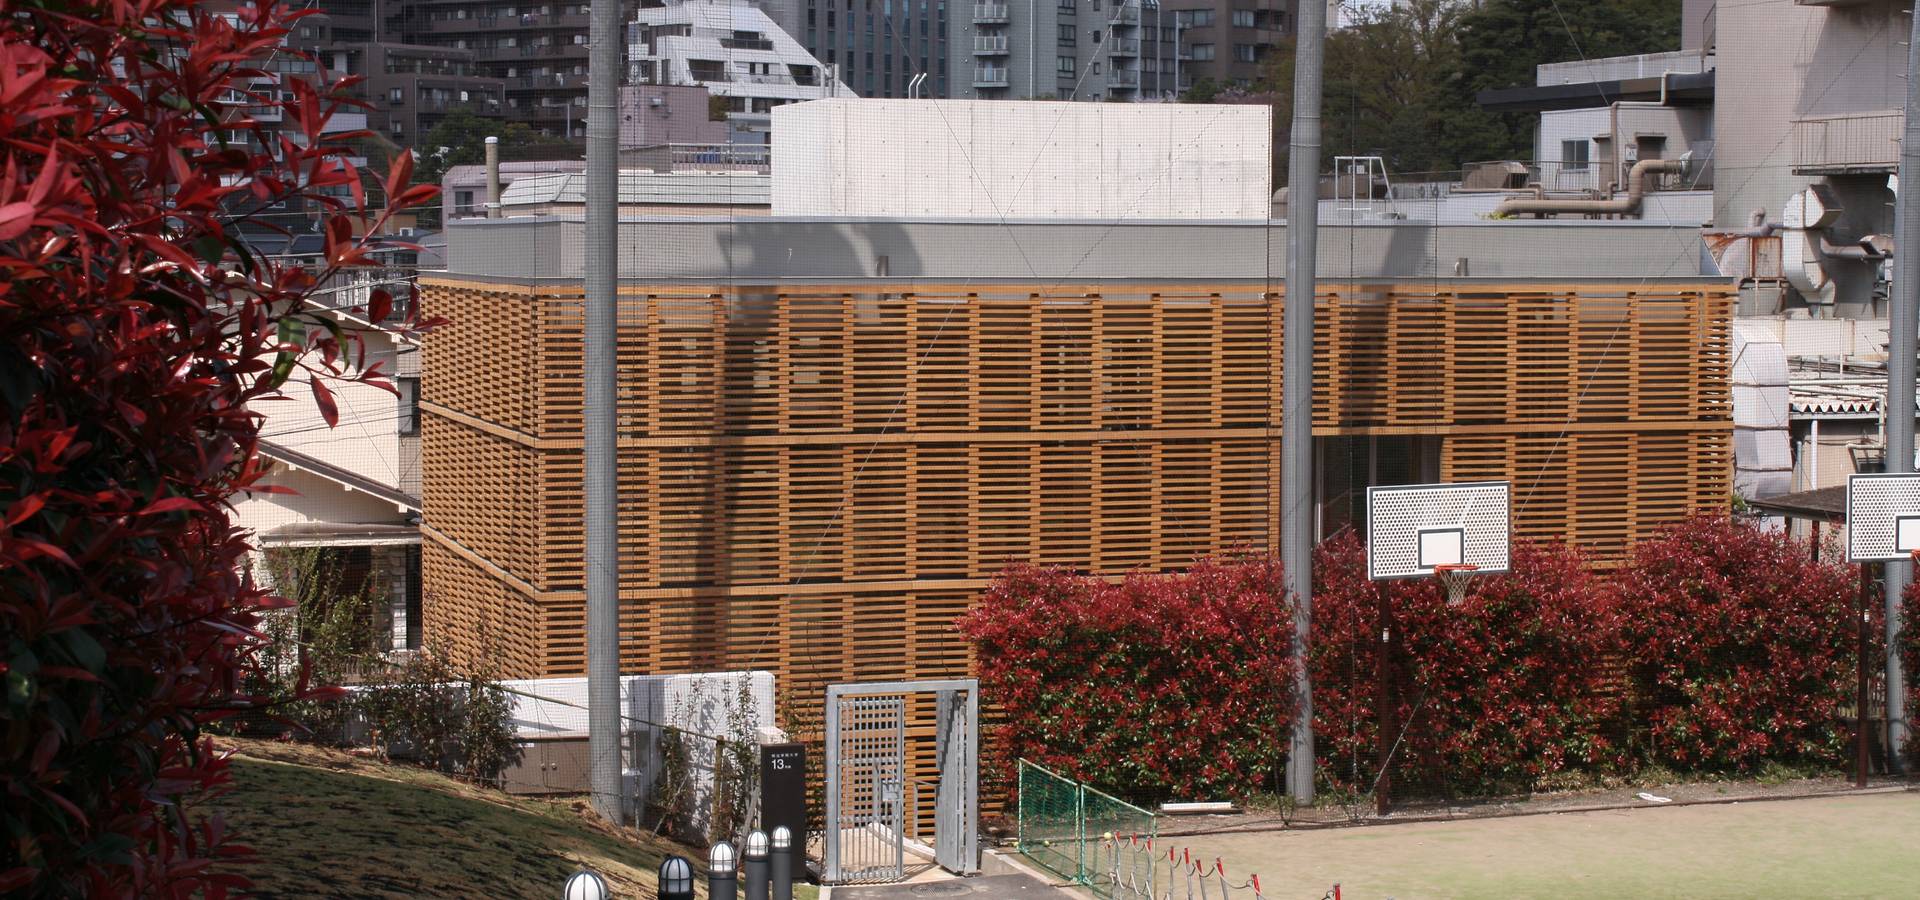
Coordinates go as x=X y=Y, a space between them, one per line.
x=1296 y=416
x=1900 y=408
x=601 y=459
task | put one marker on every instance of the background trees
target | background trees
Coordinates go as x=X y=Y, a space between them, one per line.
x=1401 y=82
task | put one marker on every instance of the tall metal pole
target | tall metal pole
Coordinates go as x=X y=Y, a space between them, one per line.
x=1296 y=417
x=603 y=548
x=1900 y=352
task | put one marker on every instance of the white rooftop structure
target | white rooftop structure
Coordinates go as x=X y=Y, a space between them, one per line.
x=732 y=48
x=991 y=160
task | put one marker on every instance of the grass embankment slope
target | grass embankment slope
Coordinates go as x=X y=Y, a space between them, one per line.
x=328 y=824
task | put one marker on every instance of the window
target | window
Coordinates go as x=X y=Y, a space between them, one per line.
x=409 y=389
x=1243 y=18
x=1246 y=53
x=1573 y=156
x=1195 y=18
x=1201 y=52
x=412 y=599
x=1065 y=65
x=397 y=95
x=1068 y=36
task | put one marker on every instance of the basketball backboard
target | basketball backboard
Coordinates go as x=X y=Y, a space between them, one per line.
x=1413 y=529
x=1883 y=517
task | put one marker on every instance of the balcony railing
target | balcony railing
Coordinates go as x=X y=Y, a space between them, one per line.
x=746 y=43
x=1124 y=15
x=1123 y=78
x=1838 y=145
x=699 y=158
x=988 y=13
x=989 y=44
x=1124 y=47
x=990 y=78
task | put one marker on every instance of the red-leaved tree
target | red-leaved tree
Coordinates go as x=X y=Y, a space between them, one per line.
x=1743 y=645
x=1491 y=694
x=1163 y=685
x=135 y=327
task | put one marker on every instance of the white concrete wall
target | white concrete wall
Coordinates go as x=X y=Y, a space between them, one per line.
x=1037 y=160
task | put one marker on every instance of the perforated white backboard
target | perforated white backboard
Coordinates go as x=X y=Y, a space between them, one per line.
x=1413 y=528
x=1883 y=517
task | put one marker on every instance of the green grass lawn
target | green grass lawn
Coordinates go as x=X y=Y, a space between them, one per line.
x=326 y=824
x=1857 y=846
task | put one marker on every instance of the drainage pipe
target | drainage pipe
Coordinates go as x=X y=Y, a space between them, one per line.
x=1619 y=206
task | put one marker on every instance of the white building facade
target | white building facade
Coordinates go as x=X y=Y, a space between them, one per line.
x=733 y=49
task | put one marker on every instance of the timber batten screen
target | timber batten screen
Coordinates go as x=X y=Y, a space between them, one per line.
x=816 y=479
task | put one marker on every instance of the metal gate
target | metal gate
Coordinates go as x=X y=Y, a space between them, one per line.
x=865 y=822
x=867 y=747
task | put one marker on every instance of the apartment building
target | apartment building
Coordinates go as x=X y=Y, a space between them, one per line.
x=877 y=49
x=1051 y=50
x=538 y=49
x=1227 y=41
x=734 y=50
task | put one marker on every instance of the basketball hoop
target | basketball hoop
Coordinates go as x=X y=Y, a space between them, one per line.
x=1455 y=578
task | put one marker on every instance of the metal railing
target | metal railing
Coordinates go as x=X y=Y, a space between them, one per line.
x=1861 y=142
x=700 y=157
x=990 y=43
x=1124 y=15
x=1123 y=78
x=989 y=12
x=1124 y=47
x=990 y=78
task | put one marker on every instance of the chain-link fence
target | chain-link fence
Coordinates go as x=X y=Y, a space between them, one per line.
x=1062 y=823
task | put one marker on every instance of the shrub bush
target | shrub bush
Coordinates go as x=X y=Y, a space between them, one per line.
x=1492 y=694
x=441 y=717
x=1163 y=685
x=1743 y=646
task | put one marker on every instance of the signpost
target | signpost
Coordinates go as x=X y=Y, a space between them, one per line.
x=783 y=789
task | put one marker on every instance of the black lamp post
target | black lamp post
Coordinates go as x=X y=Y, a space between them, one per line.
x=722 y=882
x=782 y=868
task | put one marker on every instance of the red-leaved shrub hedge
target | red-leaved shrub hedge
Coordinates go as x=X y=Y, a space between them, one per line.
x=1169 y=685
x=136 y=328
x=1491 y=694
x=1719 y=645
x=1742 y=646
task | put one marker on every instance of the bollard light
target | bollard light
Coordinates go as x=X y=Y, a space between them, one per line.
x=585 y=885
x=781 y=872
x=676 y=879
x=722 y=883
x=755 y=871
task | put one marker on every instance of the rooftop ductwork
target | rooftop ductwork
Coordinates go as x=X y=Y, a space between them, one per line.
x=1618 y=206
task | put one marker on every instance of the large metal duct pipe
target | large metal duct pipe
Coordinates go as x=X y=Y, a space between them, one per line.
x=1618 y=206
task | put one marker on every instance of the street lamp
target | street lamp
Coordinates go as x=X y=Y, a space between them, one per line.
x=722 y=883
x=676 y=879
x=585 y=885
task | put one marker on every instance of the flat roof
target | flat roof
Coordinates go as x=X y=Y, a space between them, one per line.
x=1682 y=89
x=706 y=249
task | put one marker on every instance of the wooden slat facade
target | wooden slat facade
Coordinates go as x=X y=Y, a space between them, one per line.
x=816 y=480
